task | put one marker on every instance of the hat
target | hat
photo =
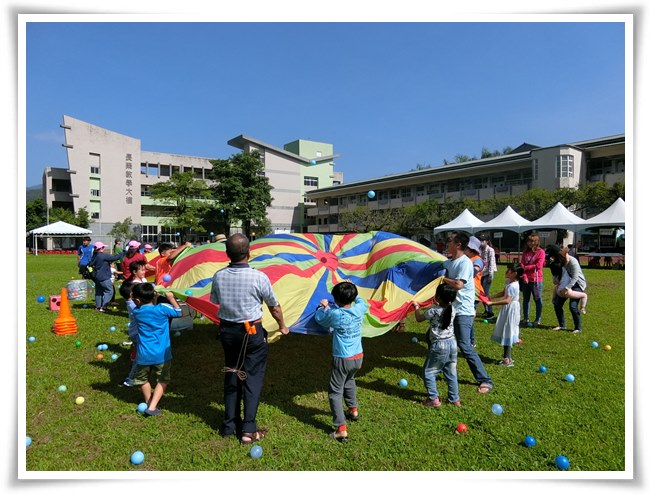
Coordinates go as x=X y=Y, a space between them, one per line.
x=483 y=237
x=134 y=244
x=147 y=246
x=552 y=250
x=220 y=238
x=99 y=245
x=474 y=244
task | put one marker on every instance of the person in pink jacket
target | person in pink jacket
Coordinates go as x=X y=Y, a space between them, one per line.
x=532 y=260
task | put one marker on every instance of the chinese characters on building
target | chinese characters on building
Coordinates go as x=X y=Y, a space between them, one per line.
x=129 y=179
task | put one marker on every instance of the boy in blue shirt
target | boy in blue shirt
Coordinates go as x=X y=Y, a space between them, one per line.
x=344 y=322
x=154 y=352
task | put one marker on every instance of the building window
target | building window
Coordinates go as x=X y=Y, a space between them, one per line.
x=394 y=193
x=405 y=192
x=535 y=169
x=144 y=191
x=143 y=168
x=94 y=215
x=198 y=173
x=94 y=170
x=95 y=192
x=152 y=170
x=311 y=181
x=319 y=154
x=564 y=166
x=164 y=170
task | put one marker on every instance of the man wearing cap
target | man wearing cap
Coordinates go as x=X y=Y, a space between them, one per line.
x=460 y=276
x=489 y=259
x=84 y=254
x=240 y=292
x=101 y=265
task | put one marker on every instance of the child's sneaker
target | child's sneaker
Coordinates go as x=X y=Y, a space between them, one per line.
x=340 y=435
x=127 y=382
x=455 y=403
x=435 y=403
x=352 y=414
x=507 y=362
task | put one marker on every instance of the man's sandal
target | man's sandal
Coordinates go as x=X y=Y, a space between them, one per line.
x=484 y=388
x=251 y=437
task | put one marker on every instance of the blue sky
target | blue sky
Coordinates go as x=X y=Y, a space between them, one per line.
x=388 y=96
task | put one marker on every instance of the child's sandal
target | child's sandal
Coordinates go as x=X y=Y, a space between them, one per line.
x=251 y=437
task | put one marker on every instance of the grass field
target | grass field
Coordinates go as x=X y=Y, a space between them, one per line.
x=583 y=420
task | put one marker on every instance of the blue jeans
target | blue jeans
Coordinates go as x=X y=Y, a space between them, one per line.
x=103 y=293
x=558 y=305
x=534 y=289
x=486 y=283
x=462 y=329
x=442 y=356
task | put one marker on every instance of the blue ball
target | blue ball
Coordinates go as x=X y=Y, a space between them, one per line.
x=497 y=409
x=562 y=462
x=188 y=292
x=256 y=451
x=31 y=339
x=569 y=378
x=530 y=441
x=371 y=194
x=142 y=407
x=29 y=441
x=312 y=162
x=594 y=344
x=403 y=383
x=414 y=340
x=530 y=324
x=542 y=368
x=112 y=328
x=40 y=299
x=62 y=388
x=114 y=356
x=137 y=457
x=166 y=278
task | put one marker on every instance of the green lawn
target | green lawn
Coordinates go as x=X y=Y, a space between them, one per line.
x=584 y=420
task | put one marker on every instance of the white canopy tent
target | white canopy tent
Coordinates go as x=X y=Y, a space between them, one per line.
x=465 y=221
x=509 y=219
x=612 y=216
x=558 y=217
x=57 y=229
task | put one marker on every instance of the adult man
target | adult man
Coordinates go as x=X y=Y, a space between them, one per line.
x=240 y=292
x=84 y=255
x=489 y=259
x=460 y=276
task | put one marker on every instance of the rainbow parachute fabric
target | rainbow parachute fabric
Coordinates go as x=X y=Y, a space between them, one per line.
x=391 y=272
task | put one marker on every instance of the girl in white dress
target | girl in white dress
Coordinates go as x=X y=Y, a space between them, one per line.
x=506 y=329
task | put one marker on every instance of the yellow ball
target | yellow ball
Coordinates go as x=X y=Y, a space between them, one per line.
x=607 y=347
x=79 y=400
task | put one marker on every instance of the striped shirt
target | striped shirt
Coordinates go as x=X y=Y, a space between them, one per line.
x=240 y=291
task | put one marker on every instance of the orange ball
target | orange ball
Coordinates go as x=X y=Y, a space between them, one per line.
x=607 y=347
x=99 y=356
x=461 y=428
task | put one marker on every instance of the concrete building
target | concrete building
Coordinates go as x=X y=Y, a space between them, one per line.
x=109 y=174
x=524 y=168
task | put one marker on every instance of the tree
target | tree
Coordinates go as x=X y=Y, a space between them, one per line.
x=83 y=218
x=122 y=230
x=35 y=214
x=187 y=199
x=241 y=190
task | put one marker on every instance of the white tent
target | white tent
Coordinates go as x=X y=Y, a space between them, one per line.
x=612 y=216
x=465 y=221
x=509 y=219
x=558 y=217
x=57 y=229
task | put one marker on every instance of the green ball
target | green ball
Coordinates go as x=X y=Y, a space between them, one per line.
x=485 y=321
x=77 y=343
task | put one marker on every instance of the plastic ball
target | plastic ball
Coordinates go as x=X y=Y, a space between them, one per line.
x=569 y=378
x=607 y=347
x=530 y=324
x=485 y=321
x=29 y=441
x=40 y=299
x=461 y=428
x=79 y=400
x=166 y=278
x=177 y=333
x=104 y=346
x=188 y=292
x=312 y=162
x=256 y=451
x=137 y=457
x=594 y=344
x=142 y=407
x=530 y=441
x=85 y=306
x=371 y=194
x=99 y=356
x=497 y=409
x=112 y=328
x=77 y=344
x=542 y=369
x=403 y=383
x=562 y=462
x=114 y=356
x=62 y=388
x=31 y=339
x=414 y=340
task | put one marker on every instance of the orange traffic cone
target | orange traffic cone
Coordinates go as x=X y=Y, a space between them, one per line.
x=65 y=323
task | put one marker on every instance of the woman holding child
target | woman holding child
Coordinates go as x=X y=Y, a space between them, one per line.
x=576 y=283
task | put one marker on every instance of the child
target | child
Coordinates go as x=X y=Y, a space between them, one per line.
x=126 y=289
x=154 y=355
x=443 y=348
x=167 y=256
x=347 y=354
x=114 y=272
x=561 y=280
x=506 y=329
x=138 y=272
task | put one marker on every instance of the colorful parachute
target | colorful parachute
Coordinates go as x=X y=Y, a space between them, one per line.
x=390 y=272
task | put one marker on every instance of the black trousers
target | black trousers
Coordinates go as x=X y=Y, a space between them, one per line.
x=252 y=360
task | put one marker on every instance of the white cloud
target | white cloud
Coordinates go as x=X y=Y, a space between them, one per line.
x=48 y=136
